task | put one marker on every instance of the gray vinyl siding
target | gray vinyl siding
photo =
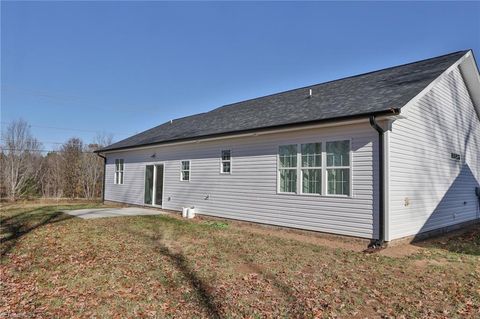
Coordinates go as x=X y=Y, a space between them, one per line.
x=428 y=190
x=249 y=193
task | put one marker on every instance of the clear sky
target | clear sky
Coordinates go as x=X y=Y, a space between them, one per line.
x=123 y=67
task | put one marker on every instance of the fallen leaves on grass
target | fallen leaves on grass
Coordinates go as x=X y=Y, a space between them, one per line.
x=156 y=267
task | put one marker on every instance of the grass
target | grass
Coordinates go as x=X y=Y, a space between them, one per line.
x=54 y=265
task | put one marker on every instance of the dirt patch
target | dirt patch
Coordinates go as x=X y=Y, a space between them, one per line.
x=402 y=250
x=245 y=268
x=463 y=241
x=311 y=237
x=424 y=263
x=331 y=241
x=172 y=247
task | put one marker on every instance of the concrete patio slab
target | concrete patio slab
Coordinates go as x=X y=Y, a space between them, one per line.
x=91 y=213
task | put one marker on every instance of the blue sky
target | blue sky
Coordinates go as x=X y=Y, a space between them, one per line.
x=124 y=67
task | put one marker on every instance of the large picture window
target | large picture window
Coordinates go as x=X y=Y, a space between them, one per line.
x=338 y=168
x=288 y=168
x=119 y=171
x=322 y=168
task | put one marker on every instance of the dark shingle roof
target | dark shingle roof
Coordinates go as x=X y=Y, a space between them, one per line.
x=364 y=94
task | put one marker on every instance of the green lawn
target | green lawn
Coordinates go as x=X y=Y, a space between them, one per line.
x=54 y=265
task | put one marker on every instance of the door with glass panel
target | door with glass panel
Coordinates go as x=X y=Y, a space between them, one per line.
x=153 y=185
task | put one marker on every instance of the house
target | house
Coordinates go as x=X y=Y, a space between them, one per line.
x=382 y=155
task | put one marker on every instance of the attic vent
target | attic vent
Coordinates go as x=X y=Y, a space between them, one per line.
x=455 y=156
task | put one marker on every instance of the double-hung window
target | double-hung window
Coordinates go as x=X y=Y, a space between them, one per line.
x=119 y=171
x=226 y=165
x=323 y=168
x=287 y=156
x=311 y=168
x=185 y=171
x=338 y=168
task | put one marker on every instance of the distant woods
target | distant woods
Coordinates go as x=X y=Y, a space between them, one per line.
x=28 y=171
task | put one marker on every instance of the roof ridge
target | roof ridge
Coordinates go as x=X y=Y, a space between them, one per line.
x=172 y=120
x=184 y=117
x=341 y=79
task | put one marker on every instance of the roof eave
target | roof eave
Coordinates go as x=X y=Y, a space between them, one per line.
x=391 y=111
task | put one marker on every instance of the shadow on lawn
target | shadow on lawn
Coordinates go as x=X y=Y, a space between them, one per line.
x=297 y=307
x=19 y=225
x=206 y=299
x=181 y=263
x=466 y=241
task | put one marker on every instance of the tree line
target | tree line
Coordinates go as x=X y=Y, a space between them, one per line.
x=28 y=171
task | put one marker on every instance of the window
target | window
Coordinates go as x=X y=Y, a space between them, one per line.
x=322 y=168
x=338 y=168
x=119 y=171
x=287 y=155
x=185 y=171
x=226 y=164
x=311 y=168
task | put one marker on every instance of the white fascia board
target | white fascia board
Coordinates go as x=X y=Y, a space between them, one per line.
x=471 y=76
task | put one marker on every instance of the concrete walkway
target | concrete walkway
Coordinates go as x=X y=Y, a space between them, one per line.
x=91 y=213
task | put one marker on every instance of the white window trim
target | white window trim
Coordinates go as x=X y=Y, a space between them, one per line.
x=189 y=171
x=301 y=168
x=118 y=171
x=350 y=167
x=285 y=168
x=278 y=180
x=224 y=161
x=324 y=186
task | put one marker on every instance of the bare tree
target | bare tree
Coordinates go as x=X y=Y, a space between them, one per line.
x=103 y=139
x=71 y=167
x=91 y=171
x=50 y=177
x=92 y=166
x=3 y=192
x=19 y=160
x=72 y=171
